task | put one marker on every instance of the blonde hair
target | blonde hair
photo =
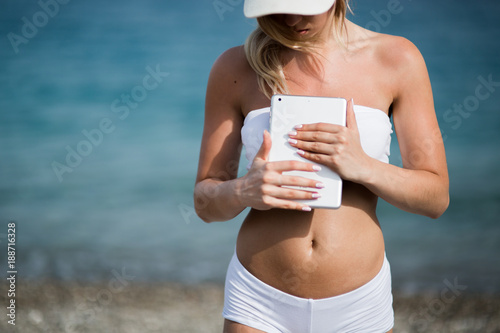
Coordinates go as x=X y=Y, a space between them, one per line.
x=264 y=46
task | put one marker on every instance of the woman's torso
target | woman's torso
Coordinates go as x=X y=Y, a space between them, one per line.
x=322 y=253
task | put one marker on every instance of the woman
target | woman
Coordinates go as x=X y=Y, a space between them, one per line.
x=296 y=269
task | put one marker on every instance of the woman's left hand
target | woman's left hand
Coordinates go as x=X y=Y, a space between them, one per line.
x=337 y=147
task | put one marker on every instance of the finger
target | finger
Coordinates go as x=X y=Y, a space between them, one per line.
x=292 y=205
x=282 y=166
x=320 y=127
x=351 y=116
x=289 y=203
x=291 y=193
x=288 y=180
x=319 y=147
x=314 y=157
x=265 y=148
x=314 y=136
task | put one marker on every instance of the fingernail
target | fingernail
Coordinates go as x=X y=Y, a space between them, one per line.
x=306 y=209
x=316 y=195
x=301 y=152
x=316 y=168
x=320 y=185
x=292 y=133
x=292 y=141
x=298 y=126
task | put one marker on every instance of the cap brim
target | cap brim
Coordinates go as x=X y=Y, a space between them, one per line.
x=257 y=8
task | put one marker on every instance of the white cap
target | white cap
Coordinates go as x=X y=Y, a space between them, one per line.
x=256 y=8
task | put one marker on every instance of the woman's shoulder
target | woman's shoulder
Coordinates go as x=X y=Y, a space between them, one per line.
x=398 y=49
x=396 y=52
x=390 y=50
x=230 y=78
x=232 y=61
x=231 y=72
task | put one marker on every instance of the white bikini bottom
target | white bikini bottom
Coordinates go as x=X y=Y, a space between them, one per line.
x=253 y=303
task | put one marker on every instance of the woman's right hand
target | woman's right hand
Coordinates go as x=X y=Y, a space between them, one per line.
x=263 y=187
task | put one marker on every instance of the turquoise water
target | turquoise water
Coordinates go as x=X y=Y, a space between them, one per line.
x=101 y=113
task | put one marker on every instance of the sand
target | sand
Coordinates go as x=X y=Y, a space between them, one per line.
x=120 y=306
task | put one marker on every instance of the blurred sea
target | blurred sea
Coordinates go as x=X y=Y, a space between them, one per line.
x=127 y=205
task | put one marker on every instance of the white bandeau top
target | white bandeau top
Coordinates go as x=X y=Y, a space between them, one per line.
x=374 y=127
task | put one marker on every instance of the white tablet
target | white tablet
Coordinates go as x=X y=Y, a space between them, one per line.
x=287 y=111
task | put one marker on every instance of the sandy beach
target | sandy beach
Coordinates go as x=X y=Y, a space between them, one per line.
x=119 y=306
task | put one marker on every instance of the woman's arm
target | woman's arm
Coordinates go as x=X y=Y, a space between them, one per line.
x=219 y=195
x=221 y=145
x=421 y=186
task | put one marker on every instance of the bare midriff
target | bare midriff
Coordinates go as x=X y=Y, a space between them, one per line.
x=318 y=254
